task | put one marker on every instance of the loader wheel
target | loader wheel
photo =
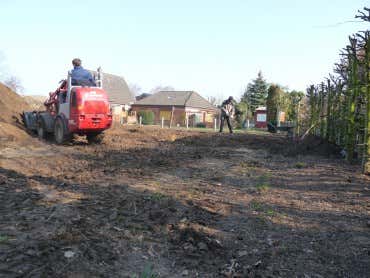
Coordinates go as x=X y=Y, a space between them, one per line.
x=95 y=138
x=61 y=134
x=41 y=129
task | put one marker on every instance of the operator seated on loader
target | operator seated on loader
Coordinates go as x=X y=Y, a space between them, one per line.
x=80 y=76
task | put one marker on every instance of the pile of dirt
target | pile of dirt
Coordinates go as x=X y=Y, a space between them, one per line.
x=11 y=133
x=35 y=102
x=315 y=145
x=11 y=105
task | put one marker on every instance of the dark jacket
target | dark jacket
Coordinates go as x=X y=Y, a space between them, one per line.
x=227 y=108
x=82 y=77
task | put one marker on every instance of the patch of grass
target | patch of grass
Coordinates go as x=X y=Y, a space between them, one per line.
x=250 y=164
x=157 y=196
x=257 y=131
x=262 y=220
x=282 y=249
x=120 y=218
x=244 y=164
x=3 y=239
x=257 y=206
x=156 y=183
x=192 y=193
x=263 y=183
x=148 y=272
x=263 y=187
x=300 y=165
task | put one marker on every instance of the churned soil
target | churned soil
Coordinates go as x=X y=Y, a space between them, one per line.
x=153 y=202
x=11 y=106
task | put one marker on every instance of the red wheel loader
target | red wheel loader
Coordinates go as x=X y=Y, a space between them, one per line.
x=71 y=110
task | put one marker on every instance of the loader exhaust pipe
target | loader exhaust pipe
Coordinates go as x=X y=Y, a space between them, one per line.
x=99 y=80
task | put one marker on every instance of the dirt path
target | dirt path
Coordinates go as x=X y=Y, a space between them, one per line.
x=182 y=204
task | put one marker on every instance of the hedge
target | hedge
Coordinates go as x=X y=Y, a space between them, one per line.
x=147 y=117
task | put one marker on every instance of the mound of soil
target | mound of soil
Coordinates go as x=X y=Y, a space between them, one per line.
x=317 y=146
x=35 y=102
x=11 y=105
x=9 y=132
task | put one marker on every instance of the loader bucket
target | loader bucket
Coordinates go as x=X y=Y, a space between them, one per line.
x=30 y=120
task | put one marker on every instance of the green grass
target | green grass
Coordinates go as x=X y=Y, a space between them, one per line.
x=270 y=212
x=250 y=164
x=148 y=272
x=120 y=218
x=263 y=183
x=256 y=206
x=156 y=183
x=157 y=196
x=255 y=131
x=300 y=165
x=3 y=239
x=263 y=187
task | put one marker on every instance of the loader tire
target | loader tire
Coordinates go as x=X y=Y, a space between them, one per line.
x=95 y=138
x=41 y=129
x=61 y=133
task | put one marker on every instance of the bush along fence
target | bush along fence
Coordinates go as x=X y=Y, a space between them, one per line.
x=340 y=106
x=147 y=117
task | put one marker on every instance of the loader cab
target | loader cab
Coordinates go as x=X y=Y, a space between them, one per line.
x=86 y=108
x=68 y=96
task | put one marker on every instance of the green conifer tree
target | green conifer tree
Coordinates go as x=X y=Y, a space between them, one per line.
x=256 y=93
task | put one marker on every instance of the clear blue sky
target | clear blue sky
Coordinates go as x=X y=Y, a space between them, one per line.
x=214 y=47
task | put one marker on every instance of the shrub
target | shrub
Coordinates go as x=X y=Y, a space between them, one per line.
x=147 y=117
x=201 y=125
x=263 y=184
x=3 y=239
x=300 y=165
x=263 y=187
x=271 y=126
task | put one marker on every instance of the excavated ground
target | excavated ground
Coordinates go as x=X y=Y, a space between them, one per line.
x=11 y=105
x=166 y=203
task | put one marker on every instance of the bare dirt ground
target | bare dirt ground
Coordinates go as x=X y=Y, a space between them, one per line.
x=165 y=203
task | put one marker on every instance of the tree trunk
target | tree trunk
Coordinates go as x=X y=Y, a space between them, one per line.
x=352 y=98
x=321 y=109
x=297 y=120
x=366 y=154
x=329 y=120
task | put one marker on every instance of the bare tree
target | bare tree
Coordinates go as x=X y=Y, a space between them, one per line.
x=135 y=89
x=161 y=88
x=364 y=15
x=14 y=84
x=216 y=101
x=9 y=80
x=212 y=100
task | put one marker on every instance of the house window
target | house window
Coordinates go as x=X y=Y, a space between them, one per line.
x=209 y=117
x=261 y=117
x=166 y=115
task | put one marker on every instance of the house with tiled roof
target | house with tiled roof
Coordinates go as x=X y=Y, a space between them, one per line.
x=178 y=108
x=117 y=89
x=119 y=95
